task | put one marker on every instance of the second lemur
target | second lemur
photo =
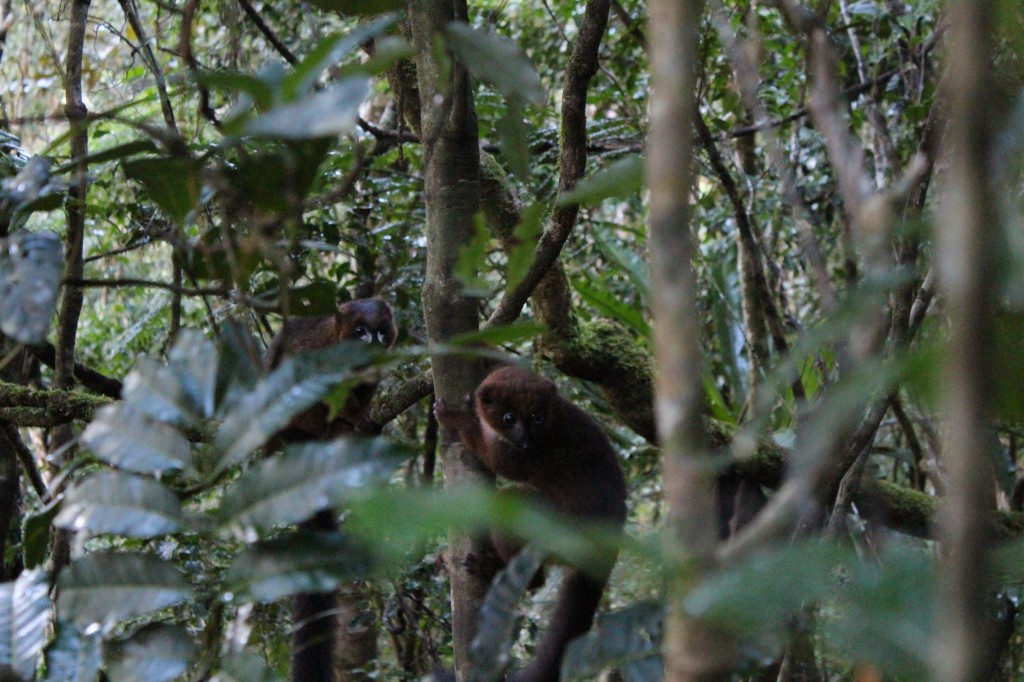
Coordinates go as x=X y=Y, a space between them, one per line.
x=324 y=647
x=523 y=430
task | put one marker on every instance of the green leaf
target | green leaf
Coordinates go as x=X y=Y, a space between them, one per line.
x=31 y=267
x=628 y=639
x=239 y=365
x=612 y=307
x=472 y=257
x=761 y=593
x=115 y=153
x=360 y=7
x=524 y=240
x=496 y=60
x=499 y=336
x=886 y=614
x=116 y=503
x=327 y=113
x=1009 y=358
x=621 y=179
x=107 y=588
x=297 y=384
x=259 y=89
x=172 y=183
x=35 y=541
x=73 y=657
x=328 y=52
x=25 y=615
x=297 y=563
x=126 y=438
x=154 y=653
x=515 y=142
x=305 y=479
x=498 y=623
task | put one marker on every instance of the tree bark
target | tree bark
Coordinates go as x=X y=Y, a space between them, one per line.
x=452 y=195
x=692 y=650
x=968 y=240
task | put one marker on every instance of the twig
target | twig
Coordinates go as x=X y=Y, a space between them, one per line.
x=268 y=32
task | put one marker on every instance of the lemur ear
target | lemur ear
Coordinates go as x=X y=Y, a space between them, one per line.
x=485 y=395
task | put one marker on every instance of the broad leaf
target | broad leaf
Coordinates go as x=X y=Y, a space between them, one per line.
x=297 y=563
x=327 y=113
x=73 y=657
x=35 y=541
x=629 y=639
x=31 y=266
x=106 y=588
x=472 y=257
x=111 y=502
x=327 y=52
x=25 y=615
x=489 y=654
x=298 y=383
x=515 y=138
x=172 y=183
x=760 y=594
x=154 y=653
x=622 y=178
x=497 y=336
x=306 y=478
x=125 y=438
x=524 y=238
x=496 y=60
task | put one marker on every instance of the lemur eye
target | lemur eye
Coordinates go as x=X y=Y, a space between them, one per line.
x=360 y=330
x=537 y=418
x=509 y=418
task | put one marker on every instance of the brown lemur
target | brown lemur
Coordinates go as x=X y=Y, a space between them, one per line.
x=324 y=648
x=523 y=430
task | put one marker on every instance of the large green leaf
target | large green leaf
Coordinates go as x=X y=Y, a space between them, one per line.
x=112 y=502
x=761 y=593
x=628 y=639
x=173 y=183
x=497 y=61
x=107 y=588
x=31 y=266
x=25 y=615
x=328 y=52
x=331 y=112
x=35 y=540
x=524 y=238
x=622 y=178
x=73 y=657
x=297 y=563
x=154 y=653
x=124 y=437
x=295 y=484
x=298 y=383
x=498 y=622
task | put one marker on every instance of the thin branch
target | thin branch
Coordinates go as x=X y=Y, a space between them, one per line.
x=583 y=64
x=268 y=32
x=86 y=376
x=26 y=458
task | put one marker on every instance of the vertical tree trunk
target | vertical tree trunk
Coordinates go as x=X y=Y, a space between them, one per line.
x=692 y=650
x=452 y=193
x=967 y=242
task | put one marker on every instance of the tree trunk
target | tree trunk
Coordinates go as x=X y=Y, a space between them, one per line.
x=452 y=194
x=967 y=243
x=692 y=650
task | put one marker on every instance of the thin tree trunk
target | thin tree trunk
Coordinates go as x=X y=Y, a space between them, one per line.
x=71 y=304
x=452 y=194
x=692 y=650
x=967 y=242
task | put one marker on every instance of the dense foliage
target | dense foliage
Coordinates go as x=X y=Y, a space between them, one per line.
x=244 y=163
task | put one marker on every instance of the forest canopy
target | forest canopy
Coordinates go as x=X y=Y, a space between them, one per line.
x=773 y=248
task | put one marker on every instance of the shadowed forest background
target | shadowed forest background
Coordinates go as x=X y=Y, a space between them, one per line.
x=775 y=248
